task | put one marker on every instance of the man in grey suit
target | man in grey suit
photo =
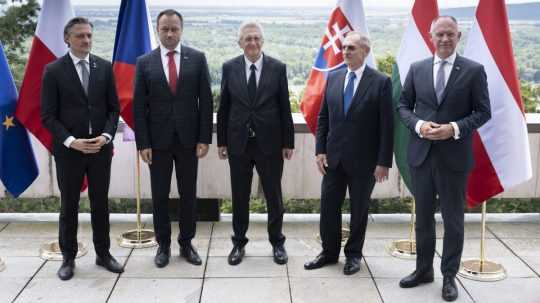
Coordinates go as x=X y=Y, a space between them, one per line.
x=444 y=99
x=172 y=107
x=255 y=129
x=354 y=149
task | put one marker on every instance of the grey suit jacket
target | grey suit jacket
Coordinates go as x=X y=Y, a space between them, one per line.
x=465 y=101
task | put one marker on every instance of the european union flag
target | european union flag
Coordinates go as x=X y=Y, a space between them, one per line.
x=18 y=168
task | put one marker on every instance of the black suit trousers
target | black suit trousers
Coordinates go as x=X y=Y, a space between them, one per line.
x=334 y=187
x=270 y=170
x=71 y=166
x=430 y=179
x=185 y=163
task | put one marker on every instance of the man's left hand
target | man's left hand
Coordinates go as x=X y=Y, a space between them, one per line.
x=443 y=132
x=98 y=141
x=202 y=150
x=287 y=153
x=381 y=173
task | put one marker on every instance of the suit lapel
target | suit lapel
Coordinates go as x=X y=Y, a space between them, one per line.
x=72 y=73
x=265 y=70
x=452 y=80
x=94 y=69
x=340 y=84
x=362 y=88
x=242 y=80
x=184 y=61
x=428 y=70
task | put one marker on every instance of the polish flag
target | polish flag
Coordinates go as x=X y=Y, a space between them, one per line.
x=501 y=146
x=347 y=16
x=47 y=46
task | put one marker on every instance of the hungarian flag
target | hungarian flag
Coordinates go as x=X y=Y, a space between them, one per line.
x=18 y=168
x=415 y=46
x=501 y=146
x=47 y=46
x=134 y=37
x=347 y=16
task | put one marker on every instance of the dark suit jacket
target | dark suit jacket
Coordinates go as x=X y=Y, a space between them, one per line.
x=363 y=138
x=65 y=108
x=465 y=101
x=270 y=114
x=159 y=114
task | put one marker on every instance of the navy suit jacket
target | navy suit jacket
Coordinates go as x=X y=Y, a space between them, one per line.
x=465 y=101
x=363 y=138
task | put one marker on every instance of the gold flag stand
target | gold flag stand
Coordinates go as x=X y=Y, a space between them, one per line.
x=2 y=265
x=405 y=248
x=138 y=238
x=482 y=269
x=51 y=251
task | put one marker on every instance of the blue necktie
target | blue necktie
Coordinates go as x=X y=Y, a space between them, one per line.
x=349 y=92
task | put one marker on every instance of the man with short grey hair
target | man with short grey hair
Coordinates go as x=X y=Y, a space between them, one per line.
x=353 y=149
x=255 y=129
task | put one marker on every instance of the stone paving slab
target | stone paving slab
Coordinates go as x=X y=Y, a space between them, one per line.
x=75 y=290
x=221 y=247
x=11 y=287
x=425 y=293
x=22 y=247
x=21 y=267
x=524 y=247
x=144 y=267
x=376 y=247
x=324 y=290
x=246 y=290
x=471 y=248
x=30 y=230
x=506 y=291
x=394 y=268
x=534 y=263
x=255 y=267
x=200 y=244
x=135 y=290
x=256 y=230
x=296 y=269
x=85 y=268
x=515 y=230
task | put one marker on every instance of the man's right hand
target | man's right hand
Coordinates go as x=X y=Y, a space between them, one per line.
x=85 y=146
x=146 y=155
x=427 y=127
x=322 y=163
x=222 y=152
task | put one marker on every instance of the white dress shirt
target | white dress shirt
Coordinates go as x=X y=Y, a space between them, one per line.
x=78 y=68
x=165 y=59
x=258 y=68
x=359 y=72
x=447 y=70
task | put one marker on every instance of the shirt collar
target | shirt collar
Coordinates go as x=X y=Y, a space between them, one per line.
x=450 y=60
x=164 y=51
x=359 y=71
x=258 y=63
x=77 y=59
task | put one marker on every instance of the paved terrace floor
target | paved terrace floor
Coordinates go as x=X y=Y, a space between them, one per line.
x=257 y=279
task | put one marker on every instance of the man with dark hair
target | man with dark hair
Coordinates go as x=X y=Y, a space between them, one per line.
x=444 y=99
x=172 y=107
x=79 y=106
x=255 y=129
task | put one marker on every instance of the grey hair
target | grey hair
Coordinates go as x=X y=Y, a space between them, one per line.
x=442 y=17
x=363 y=40
x=249 y=24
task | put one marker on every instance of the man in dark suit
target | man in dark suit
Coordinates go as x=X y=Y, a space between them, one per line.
x=255 y=128
x=79 y=106
x=173 y=124
x=353 y=148
x=444 y=99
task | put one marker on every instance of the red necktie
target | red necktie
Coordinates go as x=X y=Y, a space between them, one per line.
x=173 y=75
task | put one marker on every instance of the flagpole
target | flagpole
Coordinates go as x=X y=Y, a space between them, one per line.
x=2 y=265
x=138 y=238
x=482 y=269
x=404 y=248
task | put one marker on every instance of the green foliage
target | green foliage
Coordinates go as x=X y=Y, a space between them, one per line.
x=530 y=94
x=384 y=64
x=16 y=26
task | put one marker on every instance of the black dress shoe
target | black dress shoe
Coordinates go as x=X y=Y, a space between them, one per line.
x=449 y=289
x=280 y=254
x=416 y=278
x=162 y=256
x=110 y=264
x=65 y=272
x=189 y=253
x=236 y=255
x=352 y=266
x=319 y=261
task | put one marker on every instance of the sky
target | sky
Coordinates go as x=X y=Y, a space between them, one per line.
x=270 y=3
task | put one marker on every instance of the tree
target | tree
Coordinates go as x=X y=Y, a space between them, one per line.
x=16 y=25
x=385 y=64
x=530 y=94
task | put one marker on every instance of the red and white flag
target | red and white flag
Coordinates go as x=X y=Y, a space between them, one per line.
x=47 y=46
x=347 y=16
x=501 y=146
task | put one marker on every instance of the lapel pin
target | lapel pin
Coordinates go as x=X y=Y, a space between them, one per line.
x=186 y=57
x=458 y=68
x=94 y=65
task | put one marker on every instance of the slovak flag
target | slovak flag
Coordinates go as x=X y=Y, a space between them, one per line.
x=347 y=16
x=134 y=38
